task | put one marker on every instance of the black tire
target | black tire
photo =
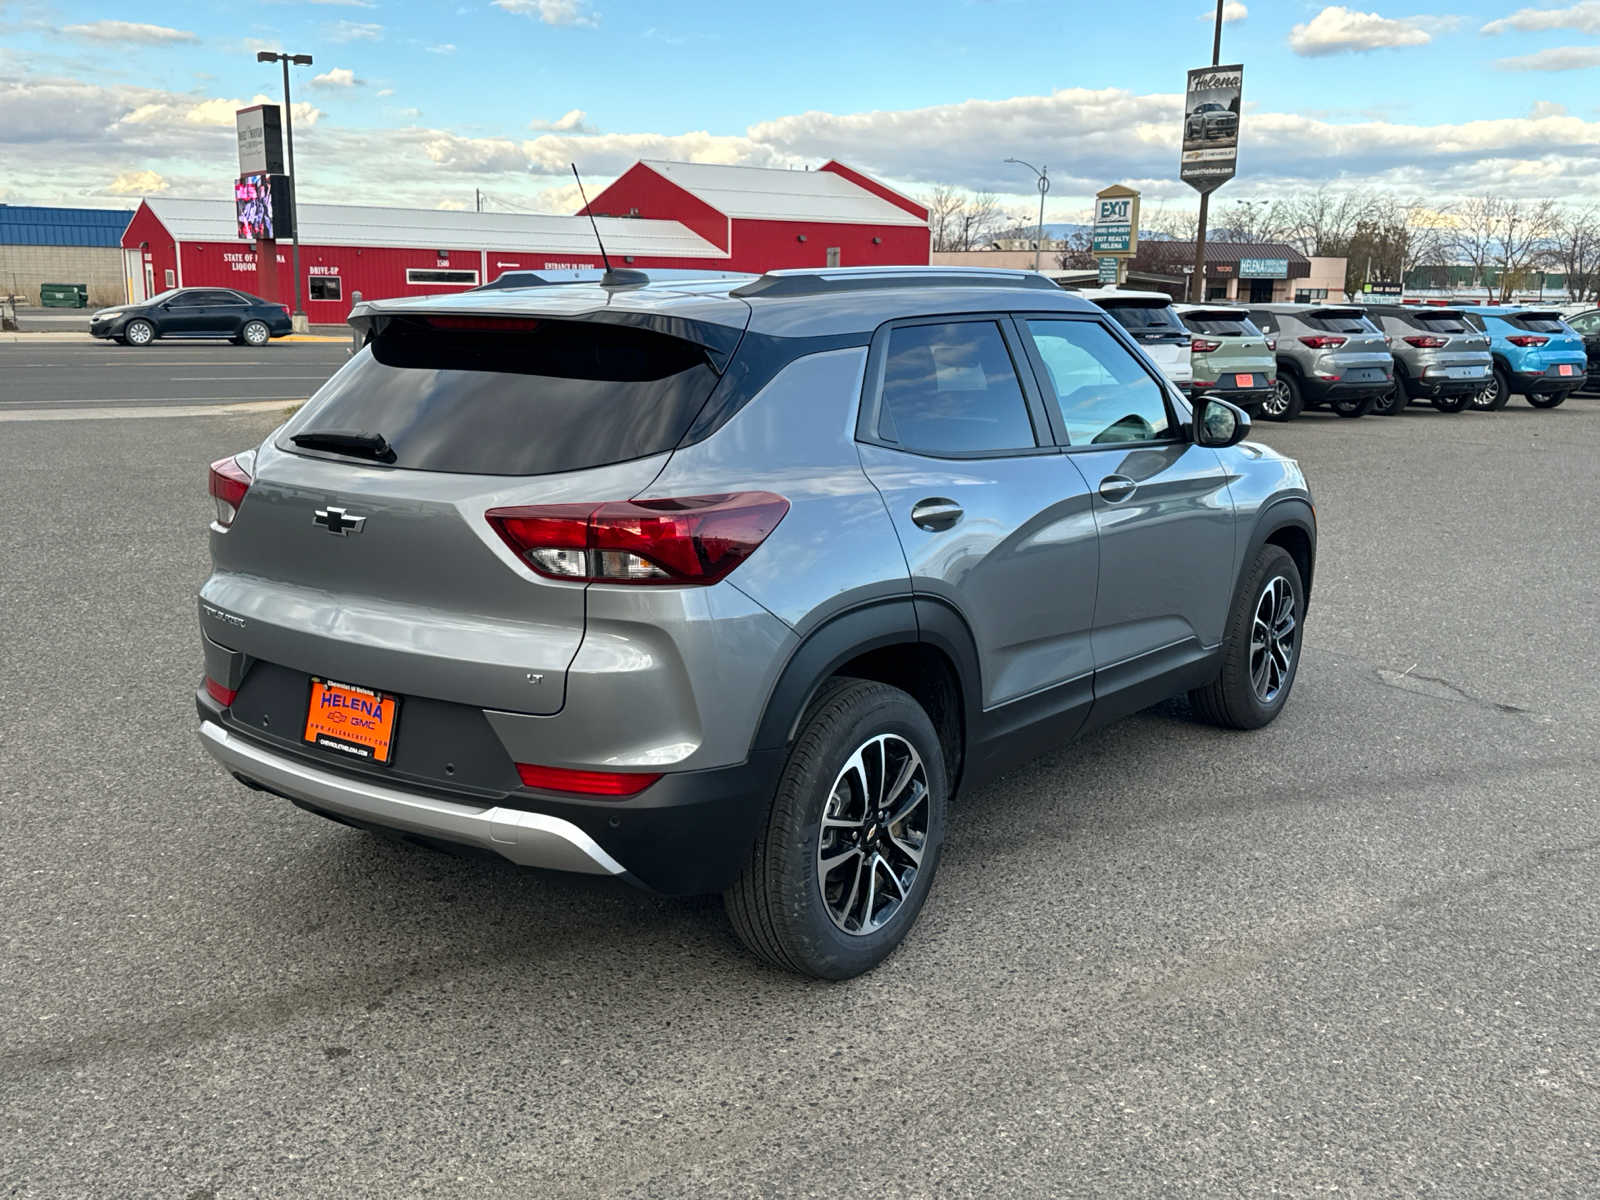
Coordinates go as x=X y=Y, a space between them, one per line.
x=1352 y=407
x=1494 y=397
x=1546 y=399
x=777 y=905
x=1451 y=404
x=1232 y=700
x=138 y=333
x=254 y=334
x=1287 y=401
x=1393 y=402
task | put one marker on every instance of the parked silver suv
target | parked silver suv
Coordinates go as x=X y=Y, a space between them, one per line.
x=729 y=585
x=1327 y=354
x=1438 y=356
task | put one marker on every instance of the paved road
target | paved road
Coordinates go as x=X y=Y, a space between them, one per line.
x=95 y=374
x=1355 y=951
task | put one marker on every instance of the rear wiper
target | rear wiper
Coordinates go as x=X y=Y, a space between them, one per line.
x=361 y=445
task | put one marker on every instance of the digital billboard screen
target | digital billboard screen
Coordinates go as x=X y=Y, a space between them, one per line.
x=252 y=198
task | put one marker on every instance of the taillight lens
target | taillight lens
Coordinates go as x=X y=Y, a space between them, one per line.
x=1272 y=344
x=1323 y=341
x=229 y=483
x=685 y=540
x=586 y=783
x=223 y=696
x=1426 y=342
x=1204 y=346
x=1527 y=339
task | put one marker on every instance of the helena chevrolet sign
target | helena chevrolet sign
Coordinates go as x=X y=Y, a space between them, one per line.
x=1211 y=126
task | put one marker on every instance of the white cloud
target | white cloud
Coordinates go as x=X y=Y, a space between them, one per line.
x=574 y=121
x=355 y=31
x=338 y=77
x=1546 y=108
x=1584 y=17
x=128 y=32
x=385 y=91
x=443 y=48
x=1556 y=58
x=1340 y=30
x=1232 y=11
x=137 y=183
x=551 y=12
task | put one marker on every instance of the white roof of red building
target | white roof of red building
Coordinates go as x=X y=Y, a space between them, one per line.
x=443 y=229
x=771 y=194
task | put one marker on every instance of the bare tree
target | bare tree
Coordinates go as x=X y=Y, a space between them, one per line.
x=944 y=205
x=1575 y=250
x=957 y=221
x=1472 y=237
x=1255 y=223
x=1522 y=234
x=1322 y=223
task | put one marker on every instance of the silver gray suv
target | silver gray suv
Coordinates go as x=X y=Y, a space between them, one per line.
x=1438 y=356
x=1327 y=354
x=727 y=586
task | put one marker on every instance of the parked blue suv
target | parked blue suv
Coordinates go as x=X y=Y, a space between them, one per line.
x=1535 y=353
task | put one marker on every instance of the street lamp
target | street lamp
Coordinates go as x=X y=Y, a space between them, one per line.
x=1250 y=207
x=299 y=60
x=1042 y=174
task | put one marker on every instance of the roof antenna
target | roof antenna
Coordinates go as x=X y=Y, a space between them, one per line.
x=612 y=278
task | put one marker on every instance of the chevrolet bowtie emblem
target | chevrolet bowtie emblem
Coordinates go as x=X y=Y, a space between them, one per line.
x=337 y=520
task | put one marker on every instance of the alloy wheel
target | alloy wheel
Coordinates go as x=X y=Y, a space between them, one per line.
x=874 y=831
x=138 y=333
x=1487 y=397
x=1276 y=404
x=1274 y=634
x=255 y=333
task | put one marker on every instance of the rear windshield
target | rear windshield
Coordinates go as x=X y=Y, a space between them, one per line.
x=1220 y=325
x=1538 y=322
x=525 y=398
x=1440 y=322
x=1334 y=320
x=1143 y=316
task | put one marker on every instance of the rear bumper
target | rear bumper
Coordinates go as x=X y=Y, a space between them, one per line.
x=688 y=833
x=1318 y=390
x=1548 y=381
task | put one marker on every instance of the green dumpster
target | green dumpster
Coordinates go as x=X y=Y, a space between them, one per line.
x=64 y=295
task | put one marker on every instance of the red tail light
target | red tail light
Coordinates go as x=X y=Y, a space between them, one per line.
x=685 y=540
x=586 y=783
x=1526 y=339
x=1204 y=346
x=223 y=696
x=229 y=483
x=1323 y=341
x=1427 y=342
x=1272 y=344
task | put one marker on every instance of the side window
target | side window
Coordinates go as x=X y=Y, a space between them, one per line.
x=1588 y=323
x=952 y=389
x=1474 y=320
x=325 y=287
x=187 y=300
x=1105 y=395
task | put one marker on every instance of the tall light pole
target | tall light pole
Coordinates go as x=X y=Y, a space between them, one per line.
x=1042 y=175
x=1250 y=207
x=1198 y=288
x=299 y=60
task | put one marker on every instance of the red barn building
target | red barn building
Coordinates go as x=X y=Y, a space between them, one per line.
x=657 y=214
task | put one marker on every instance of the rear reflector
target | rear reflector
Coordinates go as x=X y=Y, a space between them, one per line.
x=223 y=696
x=685 y=540
x=586 y=783
x=229 y=483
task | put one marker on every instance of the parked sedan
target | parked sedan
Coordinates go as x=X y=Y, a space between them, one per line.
x=1438 y=357
x=1229 y=356
x=193 y=313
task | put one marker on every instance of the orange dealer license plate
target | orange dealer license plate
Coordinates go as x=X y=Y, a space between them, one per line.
x=354 y=721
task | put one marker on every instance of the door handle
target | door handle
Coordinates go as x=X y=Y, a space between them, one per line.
x=935 y=514
x=1116 y=488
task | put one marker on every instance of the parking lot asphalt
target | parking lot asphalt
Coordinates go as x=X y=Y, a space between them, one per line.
x=1356 y=951
x=81 y=374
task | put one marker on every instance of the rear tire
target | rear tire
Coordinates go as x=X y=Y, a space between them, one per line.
x=1493 y=397
x=1348 y=407
x=1546 y=399
x=255 y=333
x=1286 y=401
x=1260 y=647
x=858 y=741
x=1451 y=404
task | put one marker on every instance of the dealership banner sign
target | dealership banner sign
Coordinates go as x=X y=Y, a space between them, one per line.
x=1263 y=268
x=260 y=130
x=1211 y=126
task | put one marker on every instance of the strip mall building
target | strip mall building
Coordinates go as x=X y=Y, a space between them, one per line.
x=656 y=214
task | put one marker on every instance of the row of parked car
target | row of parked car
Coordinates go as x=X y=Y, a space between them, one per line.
x=1276 y=360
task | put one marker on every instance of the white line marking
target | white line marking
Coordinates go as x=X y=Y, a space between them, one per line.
x=173 y=410
x=236 y=379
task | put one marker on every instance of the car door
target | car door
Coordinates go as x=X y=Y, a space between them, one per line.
x=995 y=522
x=1161 y=503
x=183 y=314
x=218 y=314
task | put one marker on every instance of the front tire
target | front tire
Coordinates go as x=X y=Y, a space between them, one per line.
x=1393 y=402
x=1286 y=401
x=1495 y=395
x=138 y=333
x=255 y=333
x=840 y=871
x=1546 y=399
x=1260 y=647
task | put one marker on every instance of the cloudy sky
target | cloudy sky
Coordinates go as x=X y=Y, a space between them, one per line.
x=422 y=102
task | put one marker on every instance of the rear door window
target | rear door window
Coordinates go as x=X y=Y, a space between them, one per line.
x=505 y=396
x=952 y=389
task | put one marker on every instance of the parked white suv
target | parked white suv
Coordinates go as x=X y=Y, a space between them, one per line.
x=1152 y=321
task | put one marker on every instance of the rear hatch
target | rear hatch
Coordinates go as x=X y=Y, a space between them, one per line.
x=1465 y=353
x=372 y=562
x=1155 y=326
x=1361 y=352
x=1228 y=351
x=1563 y=347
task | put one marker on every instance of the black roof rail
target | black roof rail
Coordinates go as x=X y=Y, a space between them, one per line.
x=820 y=281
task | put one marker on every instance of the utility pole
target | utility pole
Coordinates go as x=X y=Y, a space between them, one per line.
x=1042 y=178
x=299 y=60
x=477 y=199
x=1198 y=288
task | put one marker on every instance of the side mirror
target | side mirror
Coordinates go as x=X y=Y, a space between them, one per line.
x=1219 y=423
